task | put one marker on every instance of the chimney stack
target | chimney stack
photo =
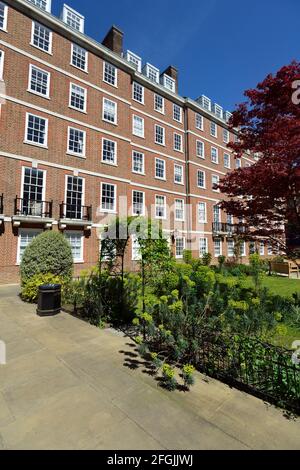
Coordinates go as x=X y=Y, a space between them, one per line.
x=172 y=72
x=114 y=40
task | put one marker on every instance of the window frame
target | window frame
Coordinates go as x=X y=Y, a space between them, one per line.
x=84 y=110
x=142 y=94
x=212 y=184
x=204 y=179
x=156 y=95
x=205 y=212
x=31 y=67
x=4 y=27
x=36 y=144
x=206 y=246
x=165 y=207
x=143 y=211
x=81 y=235
x=115 y=162
x=227 y=139
x=216 y=255
x=229 y=160
x=183 y=247
x=202 y=121
x=182 y=219
x=164 y=162
x=181 y=142
x=86 y=58
x=71 y=152
x=143 y=163
x=182 y=174
x=24 y=229
x=69 y=10
x=110 y=211
x=203 y=149
x=180 y=113
x=164 y=135
x=115 y=84
x=134 y=239
x=217 y=155
x=215 y=135
x=115 y=122
x=2 y=64
x=230 y=243
x=48 y=5
x=141 y=136
x=49 y=51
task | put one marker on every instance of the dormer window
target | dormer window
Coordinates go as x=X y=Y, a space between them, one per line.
x=218 y=110
x=205 y=102
x=42 y=4
x=134 y=60
x=152 y=73
x=73 y=19
x=169 y=83
x=227 y=115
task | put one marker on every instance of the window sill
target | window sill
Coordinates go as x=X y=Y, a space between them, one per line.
x=106 y=211
x=34 y=144
x=71 y=154
x=178 y=151
x=139 y=102
x=2 y=30
x=110 y=84
x=42 y=50
x=139 y=136
x=160 y=112
x=78 y=68
x=108 y=163
x=47 y=97
x=110 y=122
x=158 y=143
x=76 y=109
x=160 y=179
x=138 y=173
x=180 y=184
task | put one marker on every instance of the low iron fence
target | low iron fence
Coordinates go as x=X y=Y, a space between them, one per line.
x=264 y=370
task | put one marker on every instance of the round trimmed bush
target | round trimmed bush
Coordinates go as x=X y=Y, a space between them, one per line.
x=48 y=253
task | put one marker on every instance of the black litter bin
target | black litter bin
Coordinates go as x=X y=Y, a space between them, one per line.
x=49 y=300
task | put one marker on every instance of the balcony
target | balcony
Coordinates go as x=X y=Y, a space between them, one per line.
x=32 y=212
x=228 y=230
x=1 y=209
x=75 y=215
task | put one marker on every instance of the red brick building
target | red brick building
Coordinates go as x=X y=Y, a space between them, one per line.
x=85 y=125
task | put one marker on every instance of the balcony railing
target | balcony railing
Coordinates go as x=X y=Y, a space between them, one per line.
x=75 y=212
x=220 y=228
x=32 y=208
x=1 y=203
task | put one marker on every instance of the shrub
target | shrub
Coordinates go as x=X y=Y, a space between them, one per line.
x=48 y=253
x=29 y=292
x=188 y=375
x=169 y=379
x=206 y=259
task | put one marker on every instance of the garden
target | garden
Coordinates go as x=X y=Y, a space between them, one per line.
x=226 y=320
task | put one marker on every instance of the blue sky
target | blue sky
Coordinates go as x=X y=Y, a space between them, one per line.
x=221 y=47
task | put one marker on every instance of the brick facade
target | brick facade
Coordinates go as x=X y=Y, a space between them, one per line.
x=55 y=160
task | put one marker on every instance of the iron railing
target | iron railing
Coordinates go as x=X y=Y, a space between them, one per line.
x=266 y=371
x=75 y=211
x=228 y=229
x=33 y=208
x=1 y=203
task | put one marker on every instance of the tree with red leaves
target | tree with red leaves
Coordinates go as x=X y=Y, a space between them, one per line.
x=267 y=193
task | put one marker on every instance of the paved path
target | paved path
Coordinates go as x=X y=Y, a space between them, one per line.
x=68 y=385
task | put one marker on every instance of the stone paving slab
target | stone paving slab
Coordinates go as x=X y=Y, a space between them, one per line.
x=68 y=385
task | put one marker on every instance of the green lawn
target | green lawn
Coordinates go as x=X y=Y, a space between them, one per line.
x=282 y=285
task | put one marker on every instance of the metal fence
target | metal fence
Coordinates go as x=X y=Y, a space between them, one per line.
x=265 y=370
